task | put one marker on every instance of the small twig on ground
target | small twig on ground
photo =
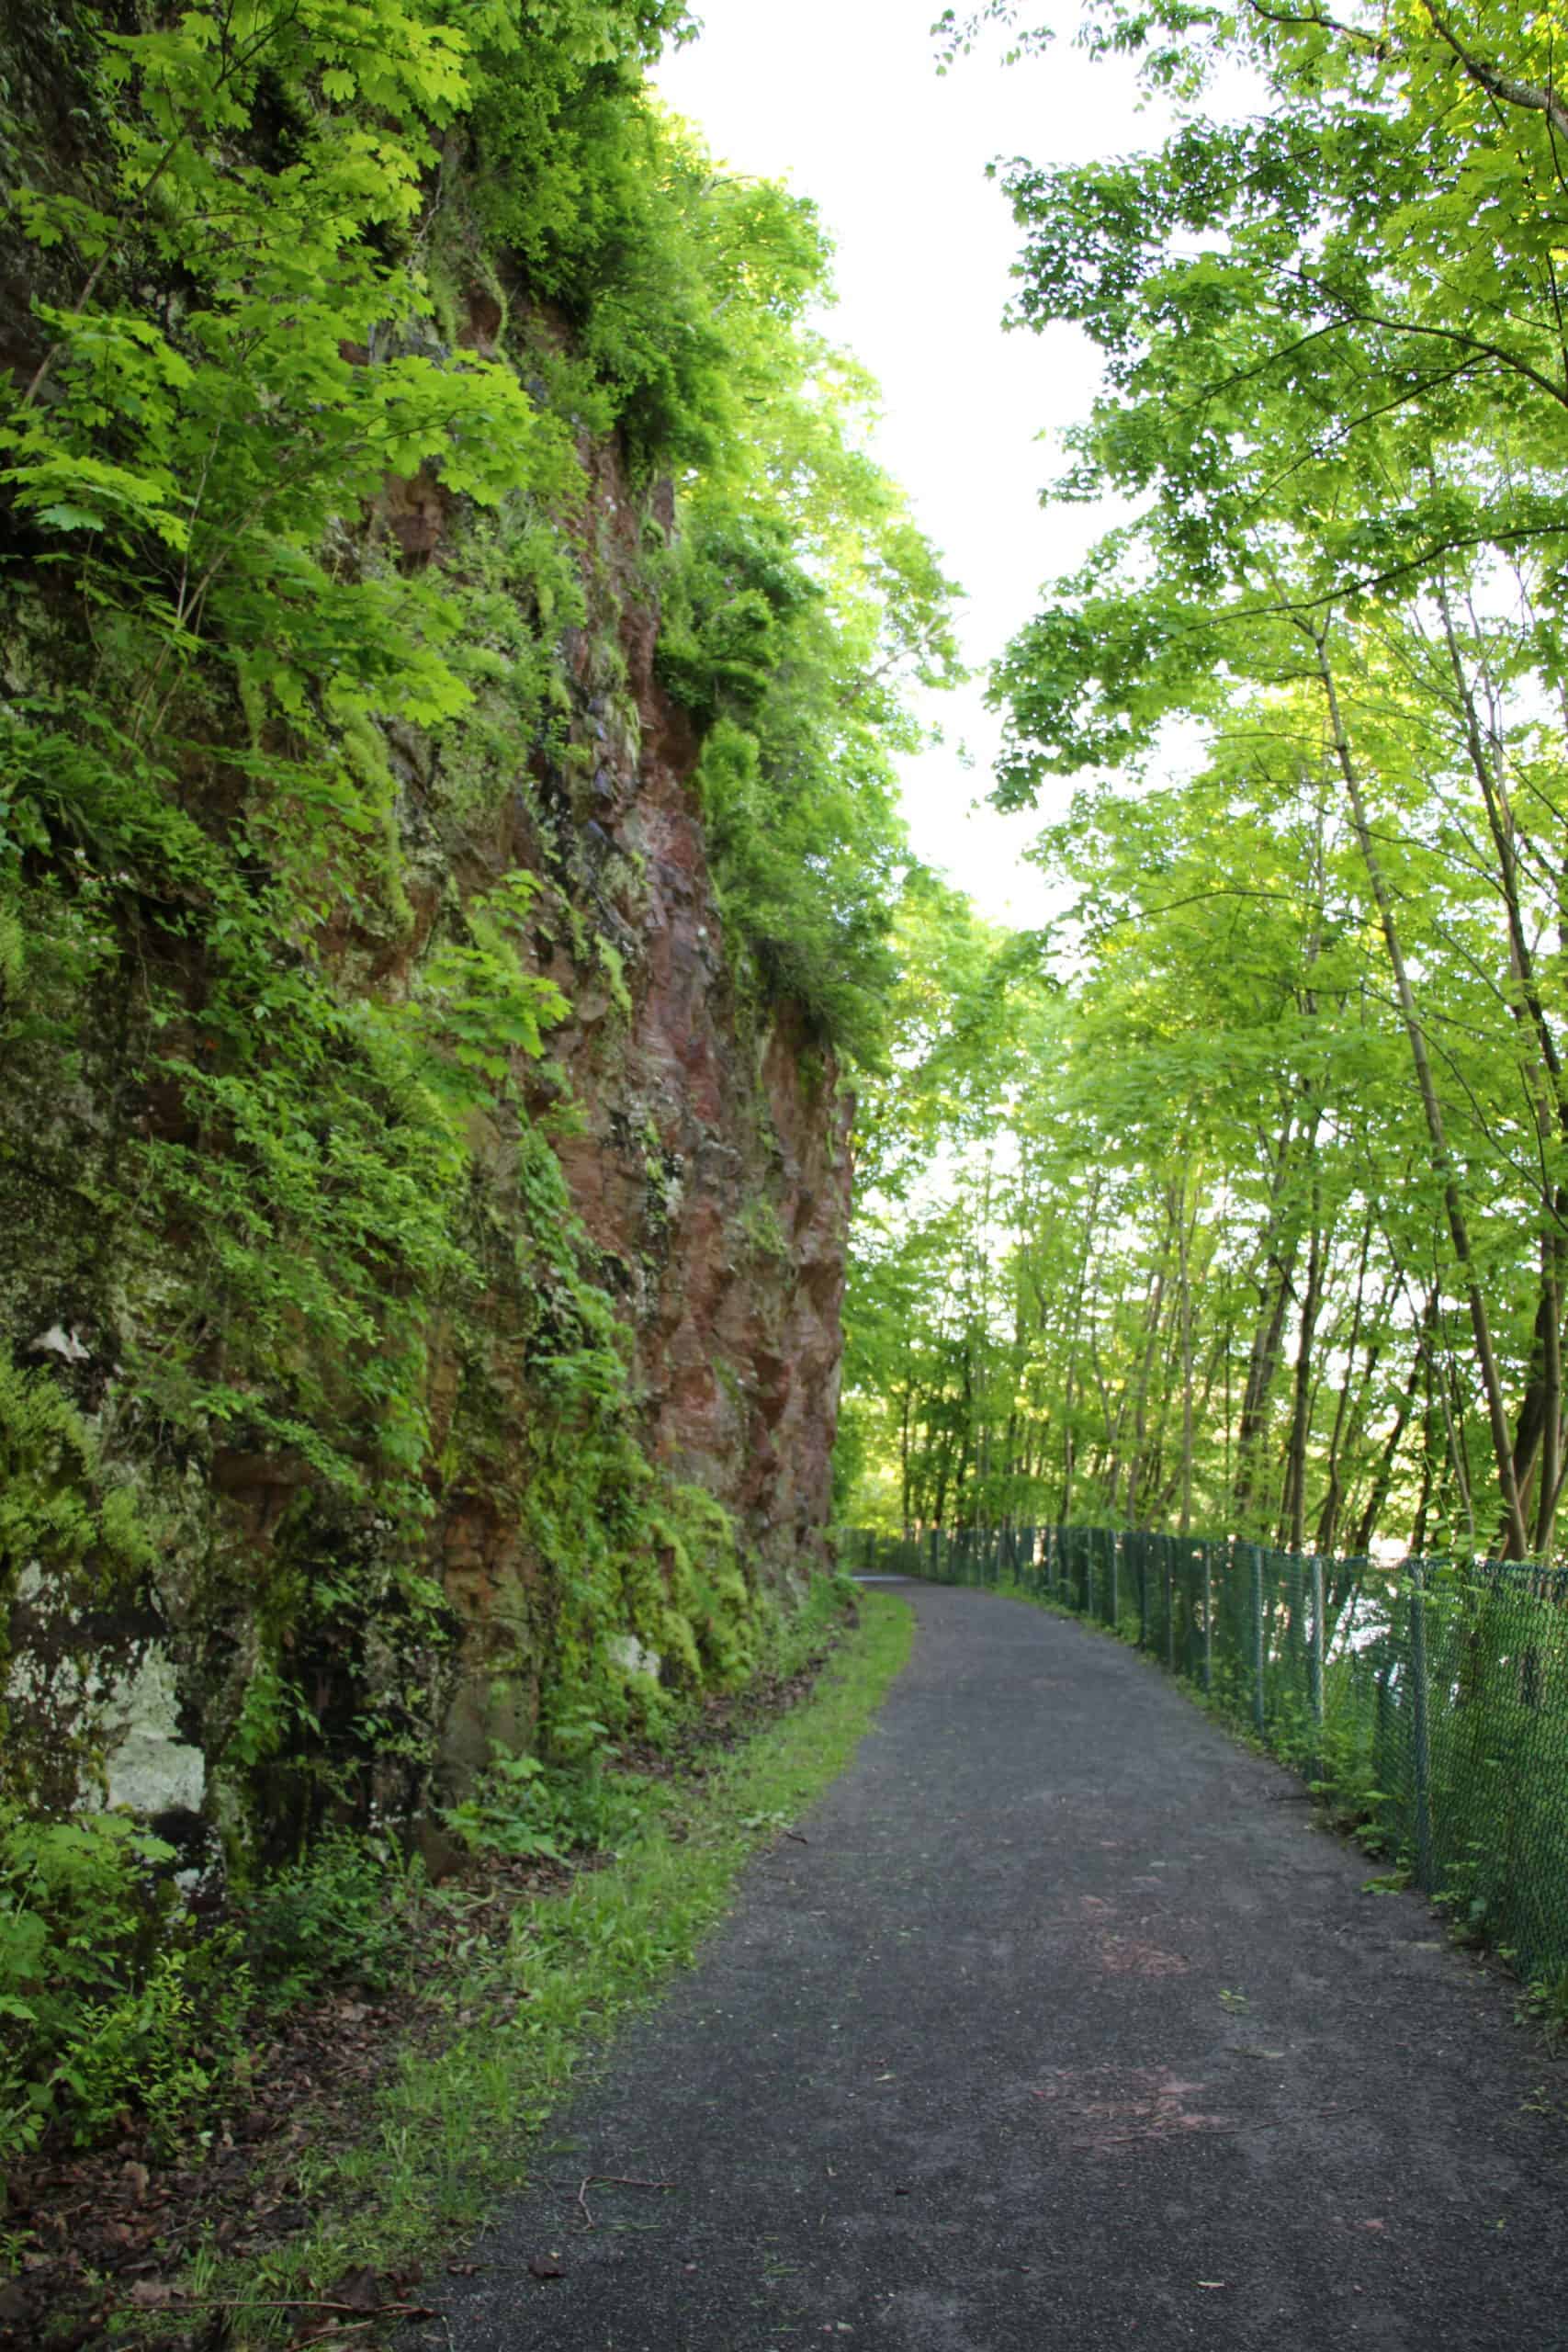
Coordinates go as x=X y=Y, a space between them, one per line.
x=613 y=2180
x=796 y=1836
x=306 y=2303
x=1135 y=2139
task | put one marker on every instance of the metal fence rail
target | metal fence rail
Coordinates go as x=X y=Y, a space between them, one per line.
x=1429 y=1699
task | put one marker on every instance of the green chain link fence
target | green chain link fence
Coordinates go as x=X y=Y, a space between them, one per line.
x=1428 y=1698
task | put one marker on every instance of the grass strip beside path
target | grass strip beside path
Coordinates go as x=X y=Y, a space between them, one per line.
x=447 y=2131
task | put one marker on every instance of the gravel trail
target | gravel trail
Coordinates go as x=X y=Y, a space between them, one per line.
x=1066 y=2028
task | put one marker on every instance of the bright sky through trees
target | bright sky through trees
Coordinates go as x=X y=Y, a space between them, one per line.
x=842 y=98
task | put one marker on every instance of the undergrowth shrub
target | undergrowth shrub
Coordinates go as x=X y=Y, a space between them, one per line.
x=110 y=2001
x=172 y=2047
x=117 y=2004
x=341 y=1915
x=526 y=1809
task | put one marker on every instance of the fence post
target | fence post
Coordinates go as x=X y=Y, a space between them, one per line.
x=1166 y=1548
x=1143 y=1592
x=1420 y=1734
x=1208 y=1617
x=1317 y=1652
x=1115 y=1542
x=1257 y=1710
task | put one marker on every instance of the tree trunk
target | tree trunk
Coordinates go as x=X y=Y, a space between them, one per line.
x=1296 y=1452
x=1329 y=1513
x=1368 y=1524
x=1518 y=1543
x=1281 y=1242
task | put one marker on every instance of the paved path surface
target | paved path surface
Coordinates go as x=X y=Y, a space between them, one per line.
x=1066 y=2030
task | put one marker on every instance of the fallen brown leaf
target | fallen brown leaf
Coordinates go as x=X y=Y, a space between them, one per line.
x=357 y=2290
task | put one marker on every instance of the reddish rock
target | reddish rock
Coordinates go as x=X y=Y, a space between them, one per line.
x=742 y=1236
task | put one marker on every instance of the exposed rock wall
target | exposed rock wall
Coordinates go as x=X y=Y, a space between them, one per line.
x=709 y=1163
x=702 y=1137
x=713 y=1173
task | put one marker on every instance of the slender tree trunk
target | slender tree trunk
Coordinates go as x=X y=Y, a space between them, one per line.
x=1281 y=1246
x=1367 y=1526
x=1453 y=1428
x=1081 y=1293
x=1424 y=1501
x=1486 y=1360
x=1185 y=1276
x=1541 y=1414
x=1296 y=1453
x=1146 y=1367
x=1551 y=1251
x=1329 y=1513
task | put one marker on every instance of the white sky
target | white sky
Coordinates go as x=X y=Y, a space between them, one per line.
x=841 y=100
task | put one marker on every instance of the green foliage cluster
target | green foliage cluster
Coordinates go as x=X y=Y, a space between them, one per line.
x=343 y=309
x=110 y=2003
x=342 y=1912
x=118 y=2001
x=63 y=1517
x=1281 y=1242
x=799 y=604
x=268 y=995
x=523 y=1808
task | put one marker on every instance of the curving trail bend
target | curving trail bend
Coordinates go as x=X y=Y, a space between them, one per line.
x=1066 y=2028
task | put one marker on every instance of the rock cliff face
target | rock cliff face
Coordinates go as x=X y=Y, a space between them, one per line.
x=702 y=1139
x=426 y=1209
x=714 y=1173
x=708 y=1159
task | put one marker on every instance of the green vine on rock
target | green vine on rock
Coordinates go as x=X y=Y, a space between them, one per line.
x=345 y=313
